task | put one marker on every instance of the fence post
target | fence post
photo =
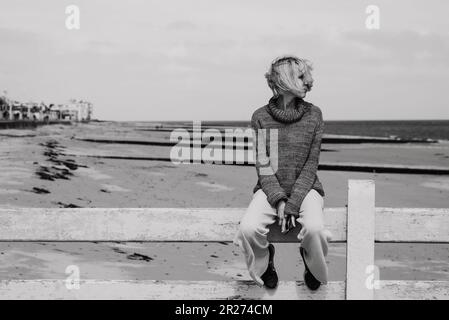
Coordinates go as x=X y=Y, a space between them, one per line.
x=360 y=239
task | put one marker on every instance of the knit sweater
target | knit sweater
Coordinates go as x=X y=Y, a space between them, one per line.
x=299 y=129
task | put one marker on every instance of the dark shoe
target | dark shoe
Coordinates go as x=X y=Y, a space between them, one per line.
x=270 y=277
x=311 y=282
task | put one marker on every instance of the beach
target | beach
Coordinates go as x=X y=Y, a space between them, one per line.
x=50 y=167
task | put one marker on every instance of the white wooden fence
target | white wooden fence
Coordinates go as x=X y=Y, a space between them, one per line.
x=360 y=225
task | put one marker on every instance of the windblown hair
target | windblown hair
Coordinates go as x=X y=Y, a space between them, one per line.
x=286 y=72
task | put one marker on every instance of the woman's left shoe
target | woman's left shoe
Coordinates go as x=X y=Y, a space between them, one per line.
x=311 y=282
x=270 y=277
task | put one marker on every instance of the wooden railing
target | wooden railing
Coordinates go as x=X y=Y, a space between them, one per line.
x=360 y=225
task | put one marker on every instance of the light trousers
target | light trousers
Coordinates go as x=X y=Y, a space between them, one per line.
x=251 y=236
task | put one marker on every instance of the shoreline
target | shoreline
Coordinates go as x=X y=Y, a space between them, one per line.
x=329 y=137
x=50 y=167
x=27 y=124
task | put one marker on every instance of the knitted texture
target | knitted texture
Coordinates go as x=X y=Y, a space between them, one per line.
x=294 y=113
x=299 y=134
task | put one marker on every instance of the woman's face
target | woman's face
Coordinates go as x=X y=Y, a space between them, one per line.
x=300 y=92
x=303 y=88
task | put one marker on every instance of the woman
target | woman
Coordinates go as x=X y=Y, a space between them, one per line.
x=288 y=132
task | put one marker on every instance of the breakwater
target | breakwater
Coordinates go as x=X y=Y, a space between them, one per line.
x=27 y=124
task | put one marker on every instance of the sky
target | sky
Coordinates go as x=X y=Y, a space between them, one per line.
x=142 y=60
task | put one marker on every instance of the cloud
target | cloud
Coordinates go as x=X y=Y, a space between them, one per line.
x=12 y=36
x=182 y=25
x=406 y=48
x=102 y=44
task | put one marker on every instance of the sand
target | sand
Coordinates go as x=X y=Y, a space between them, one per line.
x=202 y=261
x=94 y=182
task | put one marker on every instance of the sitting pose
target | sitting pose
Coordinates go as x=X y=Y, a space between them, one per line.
x=287 y=140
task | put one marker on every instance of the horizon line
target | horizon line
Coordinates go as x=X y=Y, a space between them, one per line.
x=249 y=120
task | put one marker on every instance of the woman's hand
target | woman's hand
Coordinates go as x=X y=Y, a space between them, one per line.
x=285 y=221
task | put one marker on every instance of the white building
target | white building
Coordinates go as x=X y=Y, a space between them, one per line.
x=74 y=110
x=78 y=110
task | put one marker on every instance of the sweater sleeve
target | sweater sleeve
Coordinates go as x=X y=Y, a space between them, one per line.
x=307 y=176
x=267 y=178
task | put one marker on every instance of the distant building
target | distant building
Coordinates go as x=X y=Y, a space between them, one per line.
x=74 y=110
x=78 y=110
x=18 y=110
x=4 y=109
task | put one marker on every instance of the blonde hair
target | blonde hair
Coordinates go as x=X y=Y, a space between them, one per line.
x=285 y=72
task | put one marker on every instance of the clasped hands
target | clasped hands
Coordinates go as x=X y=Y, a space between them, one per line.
x=286 y=221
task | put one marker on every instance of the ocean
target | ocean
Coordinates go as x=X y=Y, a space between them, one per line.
x=406 y=129
x=423 y=129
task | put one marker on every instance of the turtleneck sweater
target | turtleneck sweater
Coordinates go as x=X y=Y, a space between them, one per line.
x=299 y=131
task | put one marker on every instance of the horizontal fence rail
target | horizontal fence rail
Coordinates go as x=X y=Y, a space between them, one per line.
x=200 y=290
x=200 y=224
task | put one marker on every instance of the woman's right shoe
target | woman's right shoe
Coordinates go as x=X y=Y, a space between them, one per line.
x=311 y=282
x=270 y=277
